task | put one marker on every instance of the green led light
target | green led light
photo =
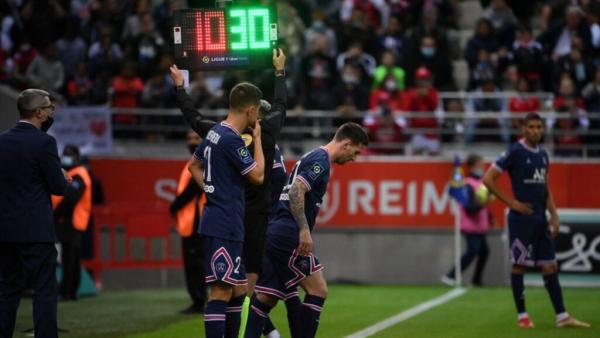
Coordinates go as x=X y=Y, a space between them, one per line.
x=238 y=30
x=262 y=40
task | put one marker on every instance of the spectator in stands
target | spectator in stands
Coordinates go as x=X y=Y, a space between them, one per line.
x=522 y=104
x=568 y=134
x=428 y=27
x=591 y=93
x=389 y=69
x=486 y=66
x=558 y=39
x=42 y=20
x=6 y=28
x=422 y=98
x=291 y=29
x=319 y=74
x=384 y=121
x=353 y=30
x=146 y=47
x=454 y=107
x=127 y=87
x=158 y=92
x=393 y=39
x=46 y=71
x=71 y=47
x=385 y=133
x=352 y=94
x=528 y=56
x=503 y=21
x=357 y=57
x=482 y=100
x=483 y=39
x=101 y=86
x=422 y=8
x=317 y=30
x=79 y=87
x=105 y=55
x=575 y=66
x=202 y=94
x=566 y=91
x=428 y=56
x=133 y=25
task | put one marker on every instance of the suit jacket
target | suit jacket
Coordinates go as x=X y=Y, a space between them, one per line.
x=29 y=172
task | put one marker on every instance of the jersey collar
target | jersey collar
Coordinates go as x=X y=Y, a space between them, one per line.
x=526 y=146
x=225 y=124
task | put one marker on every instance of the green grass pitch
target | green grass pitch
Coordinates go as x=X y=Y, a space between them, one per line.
x=486 y=312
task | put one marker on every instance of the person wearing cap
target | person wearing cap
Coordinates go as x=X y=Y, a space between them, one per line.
x=422 y=98
x=29 y=173
x=72 y=215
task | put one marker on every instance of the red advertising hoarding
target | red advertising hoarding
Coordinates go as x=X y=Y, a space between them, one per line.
x=365 y=194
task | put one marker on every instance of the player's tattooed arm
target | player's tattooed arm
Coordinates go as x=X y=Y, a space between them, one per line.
x=197 y=170
x=296 y=199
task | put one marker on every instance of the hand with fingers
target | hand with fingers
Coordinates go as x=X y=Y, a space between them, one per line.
x=278 y=59
x=176 y=75
x=305 y=243
x=522 y=208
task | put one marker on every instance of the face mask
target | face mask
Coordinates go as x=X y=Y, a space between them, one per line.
x=350 y=78
x=390 y=85
x=477 y=173
x=47 y=124
x=67 y=161
x=192 y=148
x=428 y=51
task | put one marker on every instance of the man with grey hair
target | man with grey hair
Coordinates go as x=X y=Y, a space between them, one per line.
x=29 y=174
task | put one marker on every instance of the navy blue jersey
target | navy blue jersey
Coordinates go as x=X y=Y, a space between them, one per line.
x=528 y=171
x=226 y=160
x=312 y=170
x=278 y=178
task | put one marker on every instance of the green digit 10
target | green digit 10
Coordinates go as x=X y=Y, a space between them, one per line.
x=250 y=30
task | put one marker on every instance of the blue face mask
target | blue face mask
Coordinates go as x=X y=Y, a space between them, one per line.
x=428 y=51
x=477 y=173
x=67 y=161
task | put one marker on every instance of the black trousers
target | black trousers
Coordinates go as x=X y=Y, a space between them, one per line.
x=193 y=268
x=477 y=247
x=71 y=265
x=23 y=266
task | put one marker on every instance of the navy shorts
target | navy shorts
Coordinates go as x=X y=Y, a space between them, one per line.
x=530 y=240
x=223 y=261
x=283 y=269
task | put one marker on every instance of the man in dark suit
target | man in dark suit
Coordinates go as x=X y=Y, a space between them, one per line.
x=29 y=172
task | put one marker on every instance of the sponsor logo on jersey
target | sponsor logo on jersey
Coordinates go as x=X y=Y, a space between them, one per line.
x=315 y=171
x=245 y=155
x=539 y=176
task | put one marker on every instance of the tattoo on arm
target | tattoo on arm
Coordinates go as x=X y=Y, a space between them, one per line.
x=296 y=195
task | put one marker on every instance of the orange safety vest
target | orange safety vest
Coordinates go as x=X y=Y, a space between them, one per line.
x=83 y=209
x=185 y=216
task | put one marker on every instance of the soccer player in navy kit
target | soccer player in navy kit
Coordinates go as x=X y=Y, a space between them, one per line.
x=530 y=233
x=219 y=166
x=289 y=260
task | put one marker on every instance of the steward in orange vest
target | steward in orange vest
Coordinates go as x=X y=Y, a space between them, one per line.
x=72 y=215
x=187 y=209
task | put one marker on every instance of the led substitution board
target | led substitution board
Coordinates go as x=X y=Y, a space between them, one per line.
x=224 y=38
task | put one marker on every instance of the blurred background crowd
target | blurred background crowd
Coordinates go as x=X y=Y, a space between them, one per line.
x=389 y=64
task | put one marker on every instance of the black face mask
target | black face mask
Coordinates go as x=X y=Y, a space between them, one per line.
x=192 y=148
x=47 y=124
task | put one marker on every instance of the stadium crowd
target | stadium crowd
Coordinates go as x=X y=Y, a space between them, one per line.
x=381 y=57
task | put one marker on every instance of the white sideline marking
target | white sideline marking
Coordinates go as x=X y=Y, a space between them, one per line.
x=404 y=315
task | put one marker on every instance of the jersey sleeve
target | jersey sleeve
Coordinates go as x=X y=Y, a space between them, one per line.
x=198 y=153
x=238 y=154
x=505 y=160
x=312 y=172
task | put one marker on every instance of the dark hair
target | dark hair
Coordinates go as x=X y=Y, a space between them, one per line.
x=532 y=117
x=71 y=149
x=472 y=159
x=30 y=100
x=352 y=131
x=244 y=95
